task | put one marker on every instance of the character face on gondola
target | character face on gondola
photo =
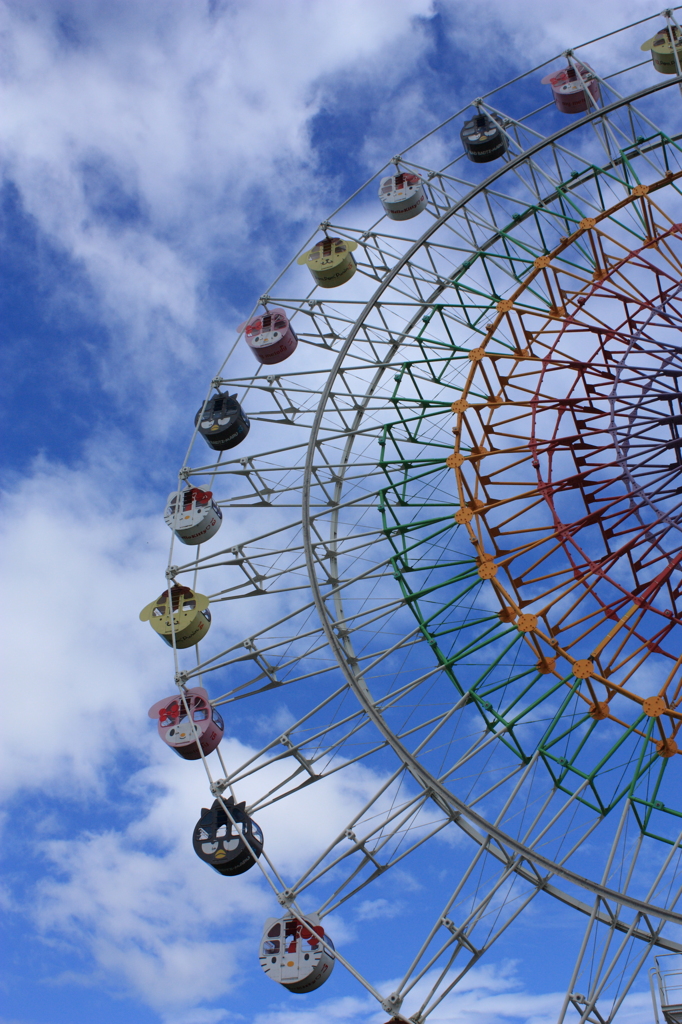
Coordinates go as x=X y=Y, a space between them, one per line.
x=297 y=954
x=399 y=183
x=572 y=86
x=193 y=515
x=186 y=617
x=402 y=195
x=270 y=336
x=222 y=422
x=266 y=329
x=220 y=411
x=188 y=498
x=324 y=251
x=189 y=735
x=664 y=46
x=223 y=841
x=330 y=261
x=483 y=139
x=227 y=838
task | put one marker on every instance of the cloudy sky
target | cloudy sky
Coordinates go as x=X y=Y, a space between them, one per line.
x=161 y=161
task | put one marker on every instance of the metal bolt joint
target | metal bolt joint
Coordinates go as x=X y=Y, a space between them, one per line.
x=393 y=1003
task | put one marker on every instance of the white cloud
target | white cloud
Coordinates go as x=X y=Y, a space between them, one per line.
x=149 y=145
x=160 y=924
x=370 y=910
x=77 y=560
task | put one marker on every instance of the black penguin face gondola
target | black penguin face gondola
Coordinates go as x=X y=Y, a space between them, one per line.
x=220 y=843
x=223 y=423
x=483 y=139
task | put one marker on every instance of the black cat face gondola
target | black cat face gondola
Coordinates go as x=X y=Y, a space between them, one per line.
x=222 y=422
x=483 y=139
x=223 y=844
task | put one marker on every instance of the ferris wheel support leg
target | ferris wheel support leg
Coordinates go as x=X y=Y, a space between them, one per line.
x=462 y=935
x=593 y=916
x=464 y=943
x=602 y=973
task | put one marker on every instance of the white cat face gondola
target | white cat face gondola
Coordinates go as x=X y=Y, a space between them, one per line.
x=292 y=954
x=193 y=515
x=483 y=139
x=222 y=422
x=187 y=614
x=184 y=734
x=221 y=844
x=402 y=196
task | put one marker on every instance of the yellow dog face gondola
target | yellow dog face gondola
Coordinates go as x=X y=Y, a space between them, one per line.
x=330 y=261
x=663 y=47
x=187 y=613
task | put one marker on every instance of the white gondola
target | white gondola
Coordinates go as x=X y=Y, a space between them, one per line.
x=292 y=953
x=402 y=196
x=195 y=517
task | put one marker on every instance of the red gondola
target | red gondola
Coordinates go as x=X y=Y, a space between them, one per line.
x=570 y=87
x=269 y=336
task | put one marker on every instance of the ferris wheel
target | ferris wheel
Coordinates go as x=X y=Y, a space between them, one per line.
x=440 y=477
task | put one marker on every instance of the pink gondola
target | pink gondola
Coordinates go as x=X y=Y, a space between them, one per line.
x=569 y=87
x=184 y=734
x=269 y=336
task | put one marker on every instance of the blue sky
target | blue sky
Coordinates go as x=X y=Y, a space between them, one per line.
x=161 y=161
